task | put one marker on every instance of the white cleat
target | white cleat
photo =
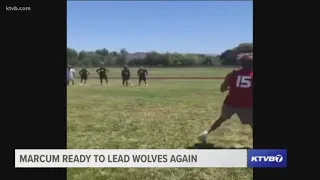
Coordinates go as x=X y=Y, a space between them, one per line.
x=203 y=137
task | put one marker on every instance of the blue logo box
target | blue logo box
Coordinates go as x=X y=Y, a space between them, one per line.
x=267 y=158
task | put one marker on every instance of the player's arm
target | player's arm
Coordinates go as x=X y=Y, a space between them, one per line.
x=138 y=72
x=88 y=72
x=225 y=84
x=80 y=73
x=98 y=70
x=122 y=73
x=107 y=70
x=147 y=72
x=129 y=73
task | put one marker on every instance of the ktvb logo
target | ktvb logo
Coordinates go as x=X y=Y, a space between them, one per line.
x=267 y=158
x=277 y=158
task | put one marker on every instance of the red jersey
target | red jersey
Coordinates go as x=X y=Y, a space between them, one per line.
x=240 y=89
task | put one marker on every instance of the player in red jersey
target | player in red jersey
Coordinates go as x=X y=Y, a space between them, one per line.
x=239 y=99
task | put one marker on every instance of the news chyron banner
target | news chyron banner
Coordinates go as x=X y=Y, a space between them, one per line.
x=147 y=158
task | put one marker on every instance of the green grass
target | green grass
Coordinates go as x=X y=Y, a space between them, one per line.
x=169 y=114
x=214 y=72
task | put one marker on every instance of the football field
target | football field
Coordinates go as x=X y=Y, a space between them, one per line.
x=168 y=114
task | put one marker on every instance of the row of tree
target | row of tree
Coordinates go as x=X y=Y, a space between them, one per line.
x=103 y=56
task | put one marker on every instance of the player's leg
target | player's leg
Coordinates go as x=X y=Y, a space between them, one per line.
x=85 y=80
x=145 y=80
x=68 y=82
x=101 y=80
x=140 y=79
x=123 y=81
x=226 y=113
x=73 y=84
x=107 y=81
x=130 y=83
x=245 y=116
x=81 y=80
x=71 y=79
x=127 y=83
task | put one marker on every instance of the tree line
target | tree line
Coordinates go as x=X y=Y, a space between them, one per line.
x=113 y=58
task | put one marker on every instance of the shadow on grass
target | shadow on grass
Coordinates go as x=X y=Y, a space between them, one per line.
x=210 y=146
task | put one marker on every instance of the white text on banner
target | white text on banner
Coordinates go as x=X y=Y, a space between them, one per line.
x=128 y=158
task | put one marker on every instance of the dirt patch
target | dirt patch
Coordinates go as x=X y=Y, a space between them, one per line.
x=170 y=77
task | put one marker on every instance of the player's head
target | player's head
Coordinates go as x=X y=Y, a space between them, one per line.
x=69 y=66
x=125 y=67
x=141 y=67
x=247 y=61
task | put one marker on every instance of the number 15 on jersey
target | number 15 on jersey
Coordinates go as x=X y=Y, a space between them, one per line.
x=244 y=81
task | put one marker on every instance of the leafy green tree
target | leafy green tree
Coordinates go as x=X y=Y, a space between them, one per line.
x=94 y=58
x=124 y=54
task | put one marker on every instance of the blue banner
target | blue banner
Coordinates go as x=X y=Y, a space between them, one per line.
x=267 y=158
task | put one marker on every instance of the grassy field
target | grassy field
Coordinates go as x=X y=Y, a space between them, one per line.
x=168 y=114
x=165 y=72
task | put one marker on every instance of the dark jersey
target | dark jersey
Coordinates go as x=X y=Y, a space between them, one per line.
x=84 y=72
x=102 y=72
x=125 y=73
x=142 y=72
x=240 y=89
